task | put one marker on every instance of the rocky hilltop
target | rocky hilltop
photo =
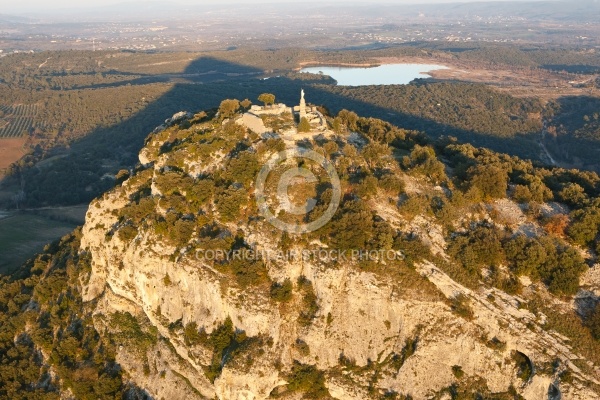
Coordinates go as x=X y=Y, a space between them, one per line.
x=445 y=272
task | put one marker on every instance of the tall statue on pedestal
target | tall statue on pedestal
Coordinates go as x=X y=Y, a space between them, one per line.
x=302 y=105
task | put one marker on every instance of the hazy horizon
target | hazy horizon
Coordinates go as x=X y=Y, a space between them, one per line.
x=38 y=6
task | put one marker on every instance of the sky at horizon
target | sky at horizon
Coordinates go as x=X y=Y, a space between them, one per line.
x=37 y=6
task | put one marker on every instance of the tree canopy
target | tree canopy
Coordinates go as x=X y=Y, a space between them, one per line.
x=229 y=107
x=304 y=125
x=267 y=98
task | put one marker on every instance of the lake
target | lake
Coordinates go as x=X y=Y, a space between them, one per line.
x=388 y=74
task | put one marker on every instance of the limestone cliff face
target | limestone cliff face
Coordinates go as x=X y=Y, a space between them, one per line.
x=372 y=333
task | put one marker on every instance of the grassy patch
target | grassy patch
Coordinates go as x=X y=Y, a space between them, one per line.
x=24 y=234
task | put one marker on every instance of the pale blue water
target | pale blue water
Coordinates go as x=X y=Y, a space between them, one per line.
x=389 y=74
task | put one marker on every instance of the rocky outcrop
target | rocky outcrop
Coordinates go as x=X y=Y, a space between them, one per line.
x=361 y=317
x=397 y=332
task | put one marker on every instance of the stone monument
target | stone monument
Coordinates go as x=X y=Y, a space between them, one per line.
x=302 y=110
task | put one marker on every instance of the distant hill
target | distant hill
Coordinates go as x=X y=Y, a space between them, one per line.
x=15 y=19
x=578 y=11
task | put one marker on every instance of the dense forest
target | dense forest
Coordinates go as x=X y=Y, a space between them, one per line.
x=473 y=113
x=573 y=131
x=572 y=60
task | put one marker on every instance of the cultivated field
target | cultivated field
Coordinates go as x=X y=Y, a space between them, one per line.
x=10 y=151
x=24 y=234
x=16 y=121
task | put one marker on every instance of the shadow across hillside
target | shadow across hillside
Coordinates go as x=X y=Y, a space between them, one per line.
x=140 y=81
x=86 y=171
x=574 y=131
x=522 y=145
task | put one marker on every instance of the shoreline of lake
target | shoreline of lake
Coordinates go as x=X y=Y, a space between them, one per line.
x=400 y=73
x=315 y=64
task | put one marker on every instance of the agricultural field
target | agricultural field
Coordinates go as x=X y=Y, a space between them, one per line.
x=11 y=150
x=16 y=121
x=23 y=234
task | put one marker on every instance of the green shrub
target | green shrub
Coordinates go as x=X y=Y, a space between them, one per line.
x=274 y=145
x=229 y=107
x=367 y=188
x=415 y=204
x=308 y=380
x=593 y=322
x=525 y=255
x=477 y=248
x=169 y=183
x=304 y=126
x=573 y=195
x=181 y=232
x=122 y=176
x=349 y=119
x=302 y=347
x=127 y=233
x=267 y=99
x=558 y=265
x=331 y=148
x=249 y=272
x=423 y=161
x=229 y=202
x=128 y=328
x=585 y=225
x=410 y=347
x=330 y=319
x=506 y=282
x=309 y=302
x=522 y=194
x=392 y=184
x=282 y=292
x=355 y=226
x=413 y=249
x=458 y=372
x=226 y=343
x=461 y=306
x=490 y=180
x=138 y=210
x=191 y=334
x=563 y=278
x=537 y=191
x=199 y=193
x=175 y=204
x=496 y=344
x=242 y=168
x=376 y=154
